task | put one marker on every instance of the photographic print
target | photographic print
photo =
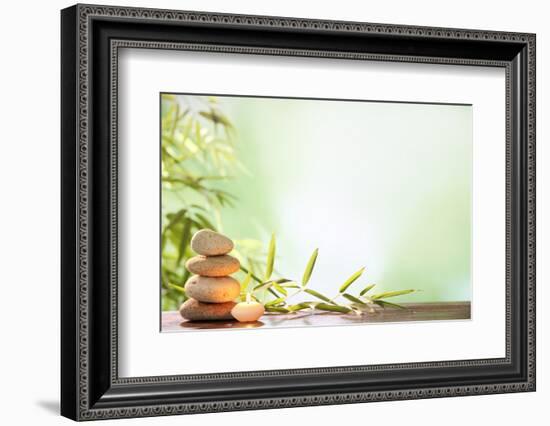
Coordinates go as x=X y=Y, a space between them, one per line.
x=355 y=199
x=239 y=181
x=296 y=212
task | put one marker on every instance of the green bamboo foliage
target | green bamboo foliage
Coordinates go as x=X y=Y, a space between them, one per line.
x=245 y=283
x=390 y=294
x=197 y=153
x=318 y=295
x=270 y=258
x=282 y=290
x=353 y=299
x=351 y=280
x=366 y=289
x=309 y=267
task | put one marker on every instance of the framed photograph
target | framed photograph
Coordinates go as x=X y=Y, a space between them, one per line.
x=263 y=212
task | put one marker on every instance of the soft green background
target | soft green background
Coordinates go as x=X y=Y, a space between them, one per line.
x=381 y=185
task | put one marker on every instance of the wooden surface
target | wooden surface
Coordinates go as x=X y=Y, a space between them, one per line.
x=173 y=322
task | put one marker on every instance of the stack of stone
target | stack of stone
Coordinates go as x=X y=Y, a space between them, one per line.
x=211 y=290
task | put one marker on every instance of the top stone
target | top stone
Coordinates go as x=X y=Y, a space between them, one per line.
x=210 y=243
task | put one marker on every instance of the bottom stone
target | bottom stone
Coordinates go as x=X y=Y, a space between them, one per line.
x=193 y=310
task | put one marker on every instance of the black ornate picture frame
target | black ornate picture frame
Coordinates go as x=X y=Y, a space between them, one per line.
x=90 y=38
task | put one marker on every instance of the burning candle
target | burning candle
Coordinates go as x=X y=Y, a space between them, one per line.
x=248 y=311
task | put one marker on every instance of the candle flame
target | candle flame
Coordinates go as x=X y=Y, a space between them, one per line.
x=247 y=297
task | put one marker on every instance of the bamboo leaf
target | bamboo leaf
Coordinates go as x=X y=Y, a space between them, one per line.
x=270 y=258
x=174 y=218
x=177 y=287
x=198 y=137
x=309 y=267
x=175 y=121
x=391 y=294
x=283 y=281
x=196 y=206
x=332 y=308
x=351 y=280
x=291 y=286
x=300 y=306
x=254 y=277
x=383 y=304
x=366 y=289
x=277 y=309
x=278 y=287
x=266 y=284
x=205 y=222
x=272 y=292
x=164 y=278
x=353 y=299
x=246 y=281
x=184 y=241
x=216 y=117
x=275 y=302
x=186 y=130
x=318 y=295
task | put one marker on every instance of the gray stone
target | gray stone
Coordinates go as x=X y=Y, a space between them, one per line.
x=213 y=266
x=210 y=243
x=193 y=310
x=212 y=290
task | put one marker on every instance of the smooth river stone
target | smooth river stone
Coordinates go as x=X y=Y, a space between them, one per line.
x=213 y=266
x=212 y=290
x=193 y=310
x=210 y=243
